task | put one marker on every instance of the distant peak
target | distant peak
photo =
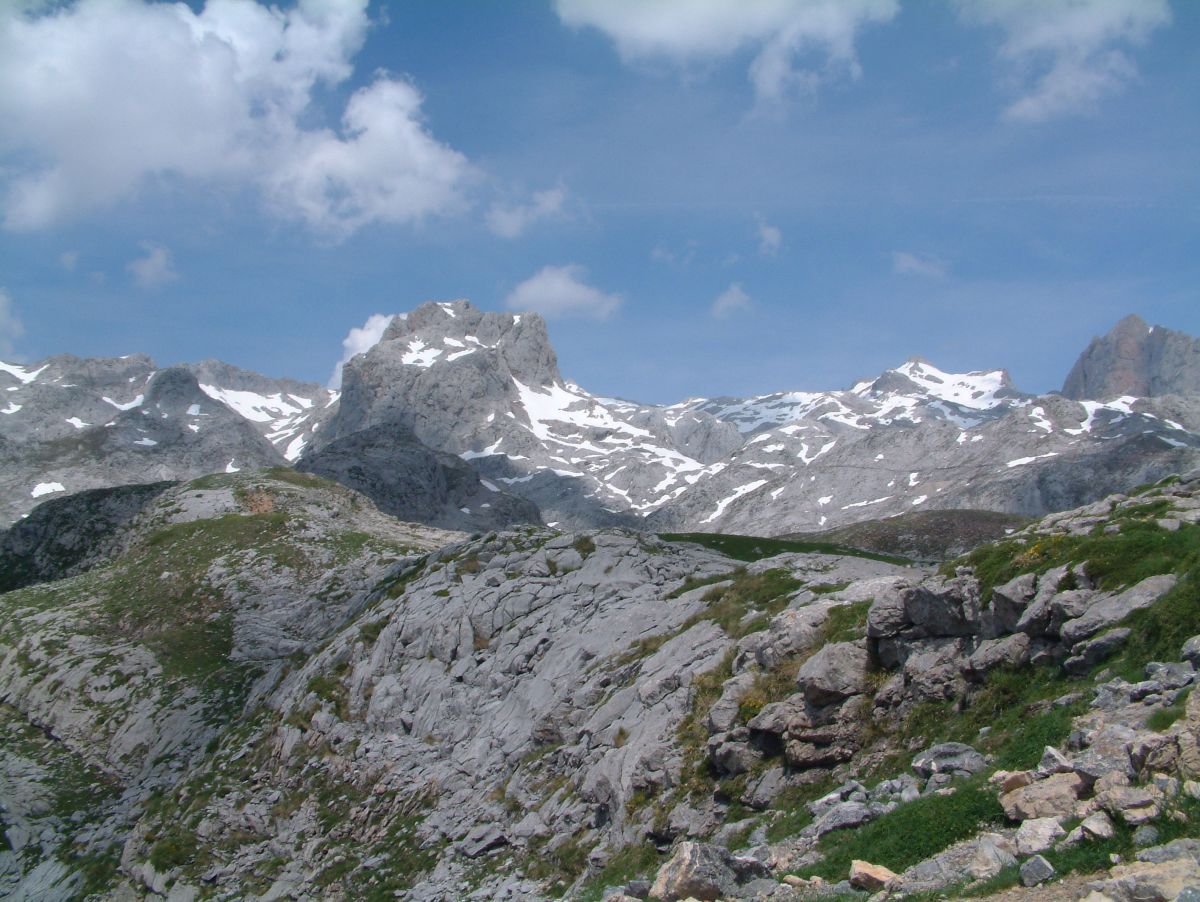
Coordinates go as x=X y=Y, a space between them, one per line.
x=1136 y=360
x=979 y=390
x=1131 y=324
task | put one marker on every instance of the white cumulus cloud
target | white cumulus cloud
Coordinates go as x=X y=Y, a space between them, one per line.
x=10 y=324
x=511 y=221
x=558 y=291
x=359 y=340
x=154 y=268
x=1065 y=56
x=730 y=301
x=779 y=31
x=907 y=263
x=101 y=97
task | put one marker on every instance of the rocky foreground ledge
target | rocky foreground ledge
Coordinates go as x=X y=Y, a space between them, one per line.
x=267 y=690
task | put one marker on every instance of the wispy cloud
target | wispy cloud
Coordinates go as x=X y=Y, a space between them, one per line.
x=730 y=301
x=770 y=238
x=1065 y=56
x=906 y=263
x=359 y=340
x=560 y=291
x=68 y=260
x=511 y=220
x=154 y=268
x=664 y=254
x=778 y=31
x=219 y=95
x=11 y=327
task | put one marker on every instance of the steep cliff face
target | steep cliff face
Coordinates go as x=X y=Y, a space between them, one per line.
x=412 y=482
x=1136 y=360
x=486 y=387
x=66 y=536
x=442 y=370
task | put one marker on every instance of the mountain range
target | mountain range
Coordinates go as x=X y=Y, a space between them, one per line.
x=461 y=418
x=232 y=666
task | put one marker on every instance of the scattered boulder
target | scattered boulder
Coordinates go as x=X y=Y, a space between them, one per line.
x=1008 y=651
x=949 y=757
x=1096 y=826
x=870 y=877
x=1086 y=655
x=1147 y=881
x=833 y=674
x=705 y=872
x=1053 y=797
x=1035 y=871
x=1009 y=602
x=482 y=839
x=1053 y=762
x=1133 y=804
x=1111 y=610
x=844 y=816
x=993 y=853
x=1191 y=651
x=1038 y=834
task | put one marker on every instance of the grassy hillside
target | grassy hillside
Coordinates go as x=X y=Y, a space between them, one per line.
x=933 y=535
x=755 y=548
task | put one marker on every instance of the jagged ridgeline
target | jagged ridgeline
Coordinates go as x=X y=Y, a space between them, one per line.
x=462 y=419
x=259 y=686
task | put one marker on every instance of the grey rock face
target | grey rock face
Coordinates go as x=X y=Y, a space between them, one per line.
x=73 y=424
x=169 y=429
x=834 y=673
x=361 y=696
x=117 y=679
x=286 y=412
x=831 y=467
x=65 y=536
x=412 y=482
x=1136 y=360
x=441 y=369
x=486 y=387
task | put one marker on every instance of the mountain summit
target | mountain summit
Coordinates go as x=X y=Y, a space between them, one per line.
x=1136 y=360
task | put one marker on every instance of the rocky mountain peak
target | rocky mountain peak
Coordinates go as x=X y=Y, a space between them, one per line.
x=977 y=390
x=444 y=369
x=439 y=332
x=1136 y=360
x=229 y=377
x=173 y=390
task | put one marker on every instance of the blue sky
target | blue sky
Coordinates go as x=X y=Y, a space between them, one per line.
x=706 y=197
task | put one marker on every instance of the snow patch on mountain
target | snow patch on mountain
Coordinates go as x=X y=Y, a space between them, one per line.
x=130 y=405
x=284 y=415
x=1023 y=461
x=977 y=390
x=21 y=373
x=737 y=493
